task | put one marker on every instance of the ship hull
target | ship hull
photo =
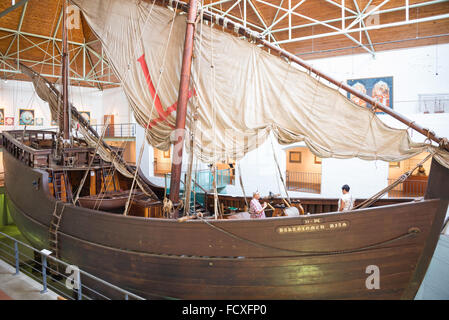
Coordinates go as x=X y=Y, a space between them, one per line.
x=322 y=256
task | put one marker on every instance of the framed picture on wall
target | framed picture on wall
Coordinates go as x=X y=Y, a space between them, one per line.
x=86 y=115
x=317 y=160
x=54 y=122
x=395 y=164
x=26 y=117
x=167 y=154
x=2 y=116
x=380 y=89
x=294 y=157
x=9 y=121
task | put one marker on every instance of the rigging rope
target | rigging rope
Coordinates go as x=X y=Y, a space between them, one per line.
x=410 y=233
x=162 y=70
x=188 y=182
x=401 y=179
x=279 y=170
x=241 y=185
x=90 y=164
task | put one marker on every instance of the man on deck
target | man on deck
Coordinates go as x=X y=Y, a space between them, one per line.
x=346 y=201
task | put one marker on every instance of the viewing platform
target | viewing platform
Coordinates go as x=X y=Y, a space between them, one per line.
x=20 y=287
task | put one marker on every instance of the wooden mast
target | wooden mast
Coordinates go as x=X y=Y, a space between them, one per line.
x=181 y=111
x=65 y=121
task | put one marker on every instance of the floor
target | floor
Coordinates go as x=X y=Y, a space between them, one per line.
x=435 y=285
x=20 y=287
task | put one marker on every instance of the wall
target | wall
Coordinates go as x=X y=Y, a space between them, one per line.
x=421 y=70
x=307 y=161
x=116 y=103
x=406 y=165
x=15 y=95
x=129 y=152
x=259 y=171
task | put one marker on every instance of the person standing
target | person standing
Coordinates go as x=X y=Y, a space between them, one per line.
x=255 y=208
x=346 y=202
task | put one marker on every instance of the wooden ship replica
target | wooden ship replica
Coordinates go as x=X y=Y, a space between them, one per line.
x=73 y=197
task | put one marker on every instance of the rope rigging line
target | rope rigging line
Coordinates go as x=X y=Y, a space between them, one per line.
x=410 y=233
x=279 y=170
x=241 y=185
x=90 y=165
x=188 y=180
x=401 y=179
x=162 y=70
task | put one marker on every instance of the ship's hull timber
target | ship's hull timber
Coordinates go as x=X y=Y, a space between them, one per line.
x=274 y=258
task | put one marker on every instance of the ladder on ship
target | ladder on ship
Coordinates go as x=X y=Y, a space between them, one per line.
x=54 y=227
x=109 y=180
x=61 y=185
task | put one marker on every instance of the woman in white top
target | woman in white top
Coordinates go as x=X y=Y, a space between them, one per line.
x=346 y=201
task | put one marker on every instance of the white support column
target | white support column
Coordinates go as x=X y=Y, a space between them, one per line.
x=244 y=13
x=407 y=10
x=290 y=19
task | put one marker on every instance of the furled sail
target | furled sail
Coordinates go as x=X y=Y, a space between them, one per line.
x=242 y=92
x=47 y=92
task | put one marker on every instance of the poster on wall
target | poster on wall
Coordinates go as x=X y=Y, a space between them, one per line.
x=9 y=121
x=2 y=116
x=86 y=115
x=380 y=89
x=26 y=117
x=39 y=121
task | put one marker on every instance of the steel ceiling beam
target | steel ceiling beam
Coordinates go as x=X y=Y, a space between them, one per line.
x=12 y=8
x=381 y=26
x=356 y=17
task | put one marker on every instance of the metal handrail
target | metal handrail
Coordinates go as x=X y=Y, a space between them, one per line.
x=309 y=182
x=117 y=129
x=44 y=256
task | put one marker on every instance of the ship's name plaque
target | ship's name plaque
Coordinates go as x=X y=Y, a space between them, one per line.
x=314 y=227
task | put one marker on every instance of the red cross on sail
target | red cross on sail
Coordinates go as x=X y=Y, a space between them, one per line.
x=163 y=114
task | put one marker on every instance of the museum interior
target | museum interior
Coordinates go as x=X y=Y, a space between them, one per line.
x=137 y=162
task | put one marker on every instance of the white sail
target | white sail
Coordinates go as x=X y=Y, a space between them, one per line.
x=242 y=91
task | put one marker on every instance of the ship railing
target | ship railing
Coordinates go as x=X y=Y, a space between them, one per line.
x=20 y=144
x=303 y=181
x=69 y=284
x=412 y=188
